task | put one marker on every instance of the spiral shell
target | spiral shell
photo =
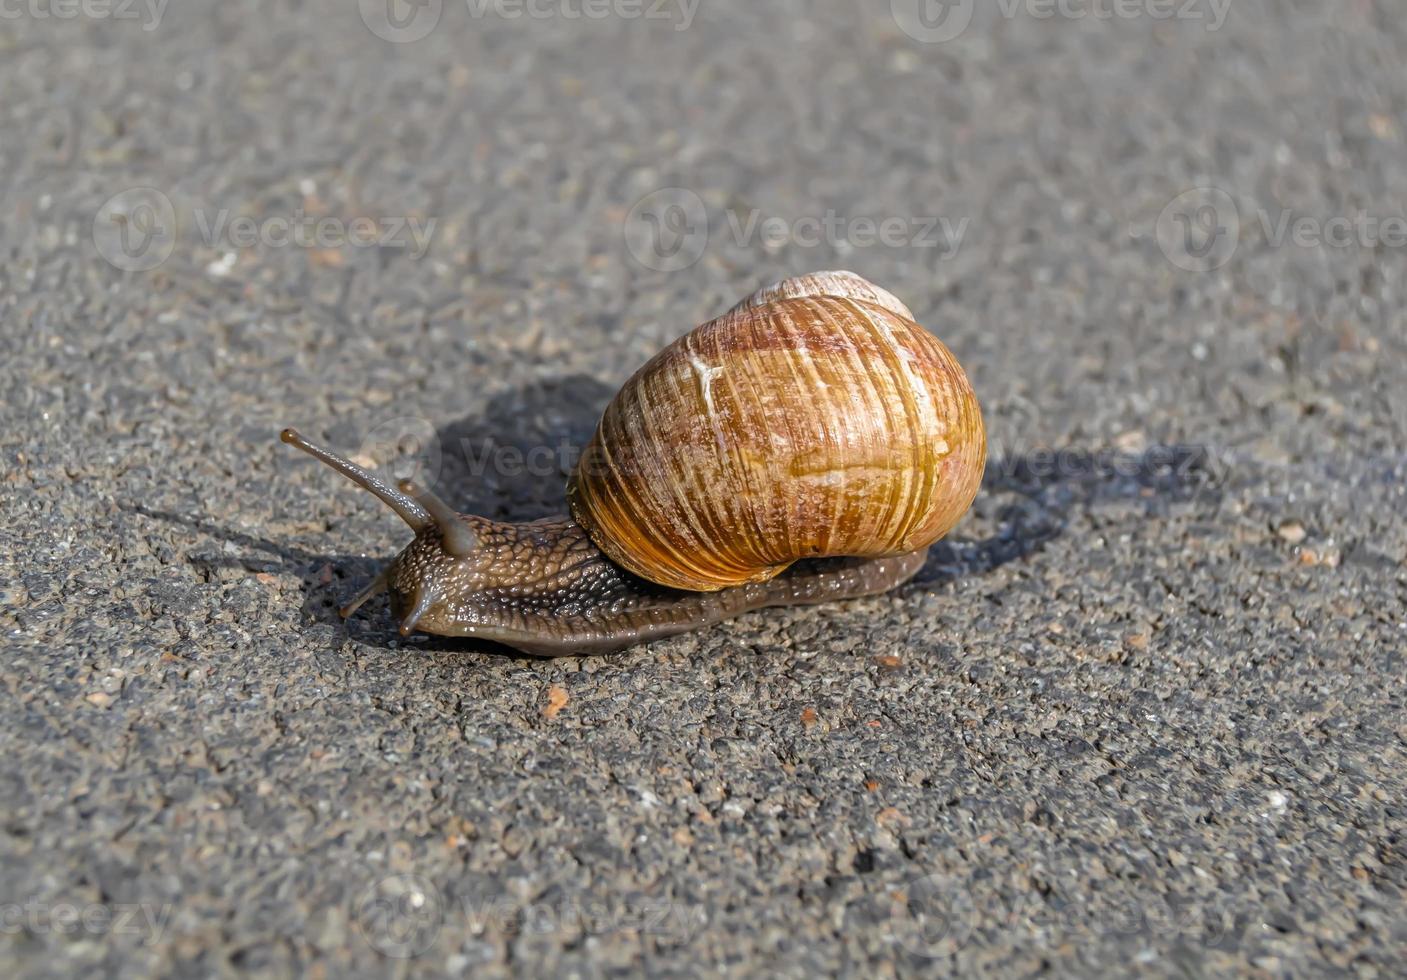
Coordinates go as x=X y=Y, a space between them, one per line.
x=844 y=284
x=813 y=419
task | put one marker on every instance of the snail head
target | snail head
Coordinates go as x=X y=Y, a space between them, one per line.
x=440 y=562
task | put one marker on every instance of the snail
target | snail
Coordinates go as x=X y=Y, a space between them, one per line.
x=809 y=445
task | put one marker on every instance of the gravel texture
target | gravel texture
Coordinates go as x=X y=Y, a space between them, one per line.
x=1142 y=713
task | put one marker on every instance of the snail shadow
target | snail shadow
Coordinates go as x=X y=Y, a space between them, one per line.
x=1035 y=495
x=324 y=576
x=510 y=462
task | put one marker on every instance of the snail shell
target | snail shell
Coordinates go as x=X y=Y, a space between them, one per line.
x=844 y=284
x=816 y=418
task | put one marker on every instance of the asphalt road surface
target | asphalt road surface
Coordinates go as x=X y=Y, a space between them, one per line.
x=1143 y=711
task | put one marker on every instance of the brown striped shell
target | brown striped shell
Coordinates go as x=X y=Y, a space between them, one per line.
x=815 y=418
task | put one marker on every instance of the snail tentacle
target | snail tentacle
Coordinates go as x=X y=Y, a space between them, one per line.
x=377 y=585
x=416 y=516
x=458 y=539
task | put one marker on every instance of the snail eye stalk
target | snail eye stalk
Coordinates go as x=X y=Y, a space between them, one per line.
x=456 y=536
x=405 y=507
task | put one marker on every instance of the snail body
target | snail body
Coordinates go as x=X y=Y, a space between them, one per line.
x=807 y=446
